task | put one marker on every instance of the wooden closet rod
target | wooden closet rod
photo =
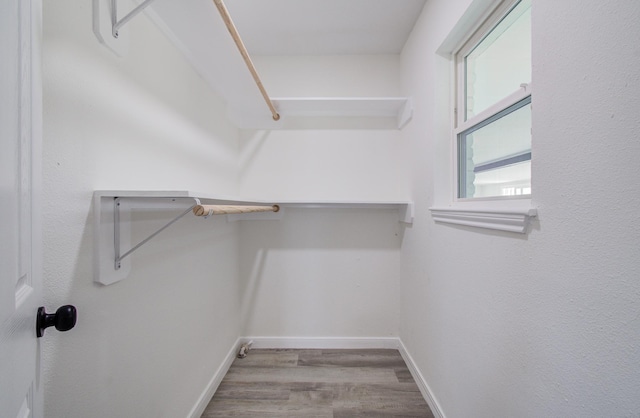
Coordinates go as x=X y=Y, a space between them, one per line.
x=224 y=13
x=208 y=210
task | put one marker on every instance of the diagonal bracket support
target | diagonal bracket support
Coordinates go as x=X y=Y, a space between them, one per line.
x=117 y=24
x=116 y=232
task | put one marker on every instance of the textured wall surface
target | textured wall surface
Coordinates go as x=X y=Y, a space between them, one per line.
x=148 y=345
x=545 y=324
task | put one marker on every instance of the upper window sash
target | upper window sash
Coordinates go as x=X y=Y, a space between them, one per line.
x=484 y=30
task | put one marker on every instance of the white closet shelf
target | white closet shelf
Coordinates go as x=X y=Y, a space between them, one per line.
x=399 y=110
x=112 y=219
x=230 y=200
x=138 y=199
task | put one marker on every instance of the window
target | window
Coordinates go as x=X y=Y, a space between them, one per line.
x=493 y=106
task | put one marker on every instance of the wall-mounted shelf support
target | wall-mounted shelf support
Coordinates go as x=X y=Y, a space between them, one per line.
x=108 y=29
x=117 y=24
x=116 y=232
x=198 y=210
x=113 y=222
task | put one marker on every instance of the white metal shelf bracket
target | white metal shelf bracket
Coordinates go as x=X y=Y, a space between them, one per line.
x=117 y=24
x=116 y=232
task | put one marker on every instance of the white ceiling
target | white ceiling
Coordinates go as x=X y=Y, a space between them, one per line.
x=323 y=27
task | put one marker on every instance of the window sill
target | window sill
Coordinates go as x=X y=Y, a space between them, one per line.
x=511 y=220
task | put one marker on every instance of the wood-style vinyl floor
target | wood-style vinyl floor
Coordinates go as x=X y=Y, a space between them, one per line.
x=318 y=383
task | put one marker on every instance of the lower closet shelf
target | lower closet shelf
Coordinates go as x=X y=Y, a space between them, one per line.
x=112 y=219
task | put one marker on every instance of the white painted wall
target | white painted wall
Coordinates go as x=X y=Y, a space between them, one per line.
x=322 y=165
x=334 y=158
x=146 y=346
x=323 y=273
x=545 y=324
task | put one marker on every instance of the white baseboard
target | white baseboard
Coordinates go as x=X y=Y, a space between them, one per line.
x=426 y=391
x=215 y=381
x=322 y=342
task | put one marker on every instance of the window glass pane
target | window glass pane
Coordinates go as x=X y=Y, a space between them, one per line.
x=500 y=62
x=495 y=156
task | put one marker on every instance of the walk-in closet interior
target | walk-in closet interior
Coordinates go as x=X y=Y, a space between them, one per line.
x=300 y=174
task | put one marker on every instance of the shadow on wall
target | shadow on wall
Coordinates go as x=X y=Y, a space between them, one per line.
x=250 y=285
x=250 y=145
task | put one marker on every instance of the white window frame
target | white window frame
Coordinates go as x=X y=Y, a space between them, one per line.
x=513 y=214
x=460 y=124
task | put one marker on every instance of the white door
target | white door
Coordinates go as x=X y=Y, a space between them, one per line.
x=20 y=241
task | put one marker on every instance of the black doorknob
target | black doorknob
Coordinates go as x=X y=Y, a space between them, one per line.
x=64 y=319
